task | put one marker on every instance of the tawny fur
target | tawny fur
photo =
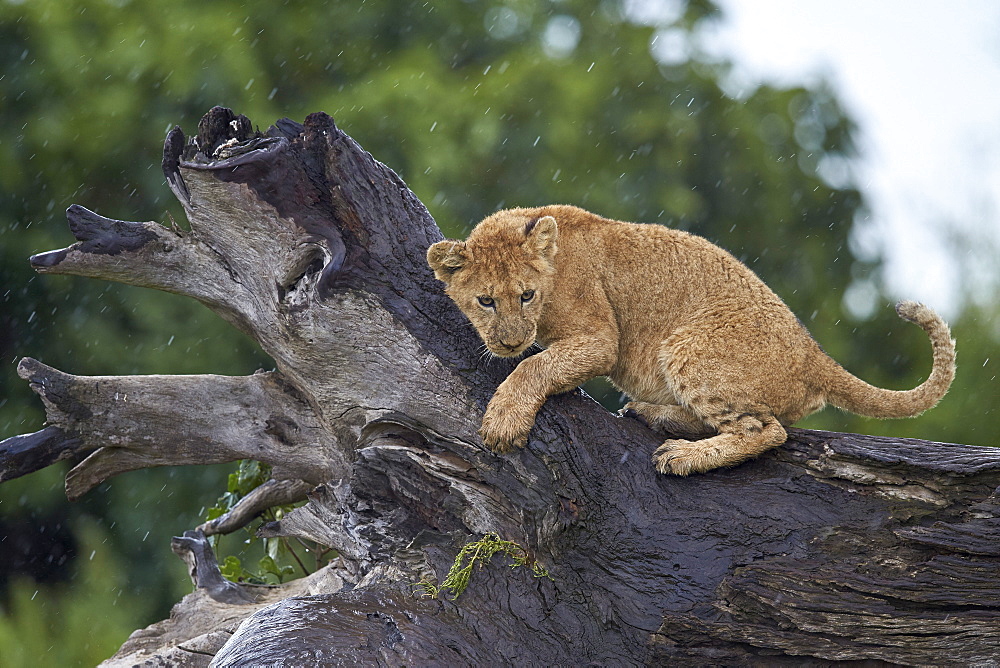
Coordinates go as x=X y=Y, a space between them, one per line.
x=703 y=347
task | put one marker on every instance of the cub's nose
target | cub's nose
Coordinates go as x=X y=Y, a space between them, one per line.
x=511 y=342
x=513 y=337
x=506 y=347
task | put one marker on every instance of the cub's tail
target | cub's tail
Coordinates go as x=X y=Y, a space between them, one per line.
x=846 y=391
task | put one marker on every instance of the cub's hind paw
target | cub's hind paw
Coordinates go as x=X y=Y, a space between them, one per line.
x=643 y=408
x=630 y=412
x=668 y=419
x=678 y=457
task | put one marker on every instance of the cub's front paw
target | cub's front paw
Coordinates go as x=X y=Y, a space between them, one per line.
x=505 y=428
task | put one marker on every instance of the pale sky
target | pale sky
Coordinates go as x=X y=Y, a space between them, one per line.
x=922 y=79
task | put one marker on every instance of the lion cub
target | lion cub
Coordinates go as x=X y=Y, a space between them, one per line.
x=703 y=347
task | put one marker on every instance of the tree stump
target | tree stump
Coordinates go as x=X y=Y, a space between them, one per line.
x=834 y=547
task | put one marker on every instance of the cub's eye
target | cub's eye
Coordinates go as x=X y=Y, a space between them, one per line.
x=527 y=296
x=486 y=302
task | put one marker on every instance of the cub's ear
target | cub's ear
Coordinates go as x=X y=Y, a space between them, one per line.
x=541 y=236
x=446 y=257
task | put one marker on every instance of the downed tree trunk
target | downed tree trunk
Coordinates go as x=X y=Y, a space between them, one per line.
x=834 y=547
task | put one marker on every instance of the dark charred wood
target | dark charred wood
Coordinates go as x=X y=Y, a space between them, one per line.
x=832 y=548
x=21 y=455
x=220 y=126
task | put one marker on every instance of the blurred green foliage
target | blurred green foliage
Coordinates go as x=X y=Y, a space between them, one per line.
x=71 y=624
x=478 y=104
x=274 y=556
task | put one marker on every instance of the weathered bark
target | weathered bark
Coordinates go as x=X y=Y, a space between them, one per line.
x=835 y=547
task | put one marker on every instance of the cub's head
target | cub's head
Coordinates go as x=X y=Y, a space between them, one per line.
x=501 y=276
